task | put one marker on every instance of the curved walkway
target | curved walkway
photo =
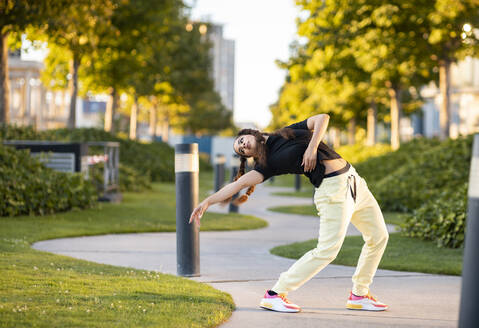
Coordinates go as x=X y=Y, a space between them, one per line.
x=239 y=262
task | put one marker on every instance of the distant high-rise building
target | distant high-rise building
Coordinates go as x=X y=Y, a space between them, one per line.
x=223 y=55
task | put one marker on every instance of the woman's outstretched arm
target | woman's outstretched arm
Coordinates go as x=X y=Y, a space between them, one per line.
x=247 y=180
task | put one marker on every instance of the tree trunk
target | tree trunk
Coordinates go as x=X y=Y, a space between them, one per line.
x=4 y=81
x=336 y=138
x=153 y=119
x=134 y=112
x=165 y=126
x=110 y=110
x=395 y=116
x=371 y=124
x=352 y=131
x=444 y=86
x=73 y=87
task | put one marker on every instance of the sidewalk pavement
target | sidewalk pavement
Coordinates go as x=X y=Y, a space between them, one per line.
x=239 y=262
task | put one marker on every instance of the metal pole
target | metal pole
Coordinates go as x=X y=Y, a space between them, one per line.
x=187 y=235
x=235 y=163
x=297 y=182
x=469 y=310
x=219 y=163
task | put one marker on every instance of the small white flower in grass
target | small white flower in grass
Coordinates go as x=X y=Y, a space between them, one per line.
x=87 y=310
x=112 y=305
x=35 y=268
x=144 y=310
x=58 y=269
x=58 y=300
x=70 y=308
x=52 y=264
x=43 y=312
x=14 y=310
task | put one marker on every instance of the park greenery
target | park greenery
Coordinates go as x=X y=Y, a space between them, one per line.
x=365 y=61
x=147 y=55
x=44 y=289
x=30 y=188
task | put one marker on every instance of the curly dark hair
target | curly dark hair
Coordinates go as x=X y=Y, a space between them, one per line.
x=261 y=157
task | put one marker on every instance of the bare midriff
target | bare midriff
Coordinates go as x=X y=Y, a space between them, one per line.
x=332 y=165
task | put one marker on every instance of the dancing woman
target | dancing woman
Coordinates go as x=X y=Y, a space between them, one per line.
x=341 y=196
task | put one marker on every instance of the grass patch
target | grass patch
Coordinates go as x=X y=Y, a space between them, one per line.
x=48 y=290
x=402 y=253
x=303 y=193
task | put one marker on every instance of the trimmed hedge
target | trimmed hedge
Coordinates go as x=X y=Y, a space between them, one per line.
x=428 y=179
x=376 y=168
x=25 y=182
x=153 y=160
x=425 y=176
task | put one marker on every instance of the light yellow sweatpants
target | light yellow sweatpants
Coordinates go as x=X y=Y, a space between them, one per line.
x=336 y=208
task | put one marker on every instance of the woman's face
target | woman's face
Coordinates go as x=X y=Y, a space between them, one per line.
x=245 y=145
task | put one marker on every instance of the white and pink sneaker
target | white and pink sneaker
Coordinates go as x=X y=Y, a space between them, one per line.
x=365 y=303
x=278 y=303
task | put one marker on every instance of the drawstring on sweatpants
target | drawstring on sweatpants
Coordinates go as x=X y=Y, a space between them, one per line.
x=352 y=188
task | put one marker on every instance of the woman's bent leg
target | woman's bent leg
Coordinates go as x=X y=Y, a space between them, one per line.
x=369 y=220
x=335 y=209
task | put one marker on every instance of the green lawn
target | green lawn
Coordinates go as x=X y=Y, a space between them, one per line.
x=402 y=253
x=46 y=290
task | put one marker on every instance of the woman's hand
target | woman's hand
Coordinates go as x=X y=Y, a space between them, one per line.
x=309 y=159
x=198 y=212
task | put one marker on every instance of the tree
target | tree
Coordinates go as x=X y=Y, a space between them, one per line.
x=16 y=16
x=77 y=31
x=451 y=38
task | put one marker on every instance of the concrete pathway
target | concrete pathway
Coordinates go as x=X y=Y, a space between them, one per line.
x=239 y=262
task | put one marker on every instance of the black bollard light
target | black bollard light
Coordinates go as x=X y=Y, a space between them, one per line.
x=235 y=163
x=469 y=310
x=187 y=235
x=297 y=182
x=219 y=163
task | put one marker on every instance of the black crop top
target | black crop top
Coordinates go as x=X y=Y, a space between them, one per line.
x=286 y=155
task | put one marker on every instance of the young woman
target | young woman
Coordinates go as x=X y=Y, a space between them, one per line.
x=341 y=196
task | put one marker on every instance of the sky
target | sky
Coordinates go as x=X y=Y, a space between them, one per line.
x=263 y=31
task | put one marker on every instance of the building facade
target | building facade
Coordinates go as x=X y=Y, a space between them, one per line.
x=223 y=65
x=464 y=106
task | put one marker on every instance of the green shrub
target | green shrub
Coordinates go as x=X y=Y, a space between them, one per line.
x=153 y=160
x=442 y=219
x=376 y=168
x=130 y=179
x=359 y=152
x=28 y=187
x=425 y=176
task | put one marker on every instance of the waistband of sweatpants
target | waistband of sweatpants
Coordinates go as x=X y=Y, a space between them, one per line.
x=338 y=172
